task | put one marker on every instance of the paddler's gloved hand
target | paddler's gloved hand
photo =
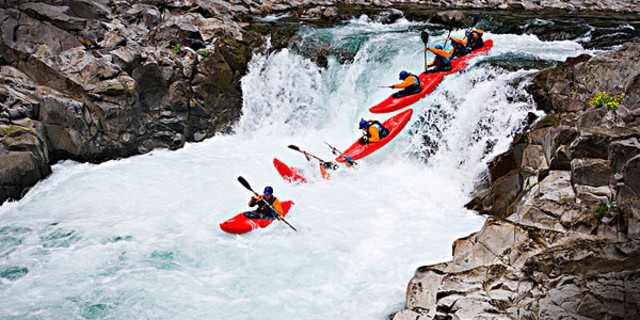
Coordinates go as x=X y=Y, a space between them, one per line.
x=364 y=140
x=392 y=86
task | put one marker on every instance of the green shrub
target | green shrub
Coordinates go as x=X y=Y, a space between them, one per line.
x=605 y=99
x=204 y=52
x=176 y=48
x=603 y=208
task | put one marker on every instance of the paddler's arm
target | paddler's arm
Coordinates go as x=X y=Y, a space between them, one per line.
x=407 y=82
x=254 y=201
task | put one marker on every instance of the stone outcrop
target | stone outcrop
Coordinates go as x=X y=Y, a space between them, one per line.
x=562 y=239
x=99 y=80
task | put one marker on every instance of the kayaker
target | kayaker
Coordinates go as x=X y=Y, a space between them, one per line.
x=474 y=39
x=459 y=48
x=410 y=85
x=264 y=211
x=372 y=131
x=327 y=165
x=441 y=62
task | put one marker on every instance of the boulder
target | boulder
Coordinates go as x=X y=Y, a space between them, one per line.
x=534 y=157
x=590 y=145
x=554 y=146
x=631 y=174
x=56 y=15
x=621 y=151
x=90 y=9
x=590 y=172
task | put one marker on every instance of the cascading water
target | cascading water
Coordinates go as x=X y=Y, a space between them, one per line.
x=138 y=238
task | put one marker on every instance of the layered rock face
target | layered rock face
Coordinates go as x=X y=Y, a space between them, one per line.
x=563 y=237
x=585 y=5
x=99 y=80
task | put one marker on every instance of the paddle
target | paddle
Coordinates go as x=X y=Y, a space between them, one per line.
x=451 y=23
x=473 y=25
x=246 y=185
x=335 y=151
x=425 y=39
x=307 y=155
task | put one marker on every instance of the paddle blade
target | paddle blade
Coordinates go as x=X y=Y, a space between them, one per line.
x=294 y=147
x=452 y=23
x=245 y=183
x=424 y=36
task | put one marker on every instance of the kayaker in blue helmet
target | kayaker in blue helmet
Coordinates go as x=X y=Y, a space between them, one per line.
x=474 y=39
x=372 y=131
x=441 y=62
x=264 y=211
x=410 y=85
x=459 y=48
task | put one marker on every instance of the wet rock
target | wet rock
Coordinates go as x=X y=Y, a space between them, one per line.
x=20 y=169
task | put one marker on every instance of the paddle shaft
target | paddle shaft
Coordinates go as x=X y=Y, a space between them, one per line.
x=451 y=23
x=475 y=22
x=424 y=35
x=245 y=183
x=340 y=152
x=304 y=152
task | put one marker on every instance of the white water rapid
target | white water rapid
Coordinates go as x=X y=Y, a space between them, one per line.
x=138 y=238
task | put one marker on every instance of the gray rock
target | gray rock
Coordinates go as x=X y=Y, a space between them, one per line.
x=553 y=143
x=590 y=172
x=89 y=9
x=590 y=145
x=621 y=151
x=631 y=173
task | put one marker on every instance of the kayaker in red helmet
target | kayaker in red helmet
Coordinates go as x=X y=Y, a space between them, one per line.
x=410 y=85
x=459 y=48
x=372 y=131
x=264 y=210
x=441 y=62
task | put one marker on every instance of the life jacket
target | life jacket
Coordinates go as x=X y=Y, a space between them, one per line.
x=442 y=60
x=416 y=84
x=382 y=130
x=263 y=208
x=459 y=41
x=459 y=50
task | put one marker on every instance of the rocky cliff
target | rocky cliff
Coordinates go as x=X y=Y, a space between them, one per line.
x=562 y=240
x=99 y=80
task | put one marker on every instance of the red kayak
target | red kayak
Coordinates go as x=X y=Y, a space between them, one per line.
x=241 y=224
x=428 y=82
x=394 y=124
x=288 y=173
x=460 y=63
